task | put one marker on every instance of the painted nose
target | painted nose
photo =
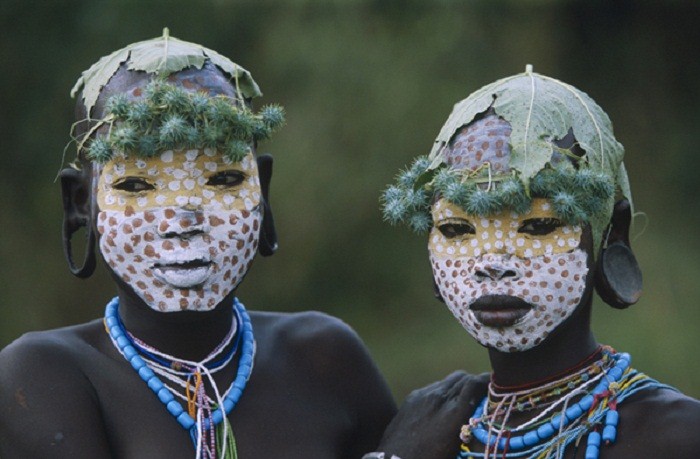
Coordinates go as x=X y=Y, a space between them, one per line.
x=182 y=223
x=496 y=270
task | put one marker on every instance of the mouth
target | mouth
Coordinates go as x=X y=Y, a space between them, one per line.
x=185 y=274
x=499 y=310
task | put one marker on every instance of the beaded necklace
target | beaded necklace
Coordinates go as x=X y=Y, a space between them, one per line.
x=580 y=403
x=205 y=418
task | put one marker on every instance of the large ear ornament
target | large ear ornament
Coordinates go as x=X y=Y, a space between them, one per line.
x=77 y=213
x=618 y=279
x=267 y=244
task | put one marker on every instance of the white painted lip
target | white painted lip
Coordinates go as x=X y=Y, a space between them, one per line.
x=184 y=275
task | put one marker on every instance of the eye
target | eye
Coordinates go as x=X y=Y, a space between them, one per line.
x=226 y=179
x=133 y=185
x=455 y=229
x=539 y=226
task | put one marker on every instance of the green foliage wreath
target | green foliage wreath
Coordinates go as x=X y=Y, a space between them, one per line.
x=167 y=116
x=540 y=110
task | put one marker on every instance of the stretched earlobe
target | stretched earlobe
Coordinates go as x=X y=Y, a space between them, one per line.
x=618 y=279
x=267 y=244
x=77 y=214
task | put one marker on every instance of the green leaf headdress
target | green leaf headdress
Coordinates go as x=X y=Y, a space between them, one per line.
x=168 y=116
x=540 y=111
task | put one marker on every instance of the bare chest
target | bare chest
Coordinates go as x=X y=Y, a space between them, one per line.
x=277 y=416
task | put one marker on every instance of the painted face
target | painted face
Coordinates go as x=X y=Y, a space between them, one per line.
x=181 y=228
x=509 y=279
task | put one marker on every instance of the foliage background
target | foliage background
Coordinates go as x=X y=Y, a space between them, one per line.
x=367 y=86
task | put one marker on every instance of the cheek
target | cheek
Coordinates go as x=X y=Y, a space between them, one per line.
x=234 y=236
x=127 y=236
x=556 y=281
x=234 y=243
x=454 y=278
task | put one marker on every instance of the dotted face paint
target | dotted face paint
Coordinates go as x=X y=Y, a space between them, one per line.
x=481 y=142
x=181 y=228
x=531 y=257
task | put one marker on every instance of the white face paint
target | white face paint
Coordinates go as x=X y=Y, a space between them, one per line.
x=531 y=257
x=182 y=228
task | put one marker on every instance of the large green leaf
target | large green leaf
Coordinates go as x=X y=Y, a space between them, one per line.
x=244 y=80
x=539 y=109
x=162 y=56
x=165 y=55
x=93 y=79
x=623 y=183
x=462 y=113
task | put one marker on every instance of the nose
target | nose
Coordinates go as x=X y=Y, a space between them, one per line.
x=496 y=269
x=183 y=223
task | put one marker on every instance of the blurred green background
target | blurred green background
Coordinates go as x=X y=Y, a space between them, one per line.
x=367 y=86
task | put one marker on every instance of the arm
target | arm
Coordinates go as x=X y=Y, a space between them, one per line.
x=369 y=394
x=346 y=379
x=427 y=425
x=49 y=408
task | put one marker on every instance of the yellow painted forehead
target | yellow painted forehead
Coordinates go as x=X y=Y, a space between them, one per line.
x=175 y=163
x=177 y=178
x=500 y=232
x=541 y=208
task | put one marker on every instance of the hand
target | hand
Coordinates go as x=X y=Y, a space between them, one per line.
x=428 y=423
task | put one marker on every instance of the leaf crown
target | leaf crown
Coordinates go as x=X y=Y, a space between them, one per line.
x=577 y=196
x=540 y=110
x=169 y=117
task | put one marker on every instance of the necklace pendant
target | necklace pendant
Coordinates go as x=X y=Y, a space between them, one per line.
x=465 y=434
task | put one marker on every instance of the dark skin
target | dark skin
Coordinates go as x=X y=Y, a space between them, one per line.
x=68 y=393
x=658 y=423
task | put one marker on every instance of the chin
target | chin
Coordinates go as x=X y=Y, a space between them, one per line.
x=509 y=323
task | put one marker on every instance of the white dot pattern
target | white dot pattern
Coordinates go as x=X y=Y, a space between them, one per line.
x=177 y=246
x=550 y=277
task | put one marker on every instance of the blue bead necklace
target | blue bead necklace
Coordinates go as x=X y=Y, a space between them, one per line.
x=595 y=410
x=142 y=358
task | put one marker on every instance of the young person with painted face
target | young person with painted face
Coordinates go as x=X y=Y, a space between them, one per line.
x=528 y=208
x=168 y=186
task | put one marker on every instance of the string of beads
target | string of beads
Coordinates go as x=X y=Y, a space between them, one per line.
x=205 y=418
x=564 y=410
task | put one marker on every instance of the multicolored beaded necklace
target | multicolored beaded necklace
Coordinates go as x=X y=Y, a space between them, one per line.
x=584 y=401
x=205 y=418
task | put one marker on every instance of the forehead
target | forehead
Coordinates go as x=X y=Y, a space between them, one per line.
x=540 y=208
x=132 y=84
x=192 y=162
x=483 y=141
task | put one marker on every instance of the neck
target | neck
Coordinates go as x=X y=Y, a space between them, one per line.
x=189 y=335
x=566 y=347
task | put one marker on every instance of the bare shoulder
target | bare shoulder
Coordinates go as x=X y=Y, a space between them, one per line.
x=670 y=406
x=326 y=361
x=36 y=359
x=671 y=409
x=318 y=344
x=50 y=407
x=303 y=325
x=662 y=420
x=301 y=331
x=34 y=351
